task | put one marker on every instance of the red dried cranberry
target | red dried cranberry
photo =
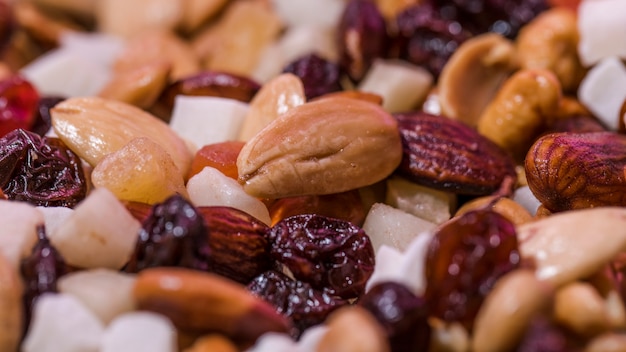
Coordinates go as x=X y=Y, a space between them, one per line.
x=319 y=76
x=297 y=300
x=40 y=170
x=546 y=336
x=362 y=37
x=41 y=271
x=42 y=117
x=18 y=104
x=174 y=234
x=464 y=260
x=402 y=314
x=427 y=39
x=328 y=253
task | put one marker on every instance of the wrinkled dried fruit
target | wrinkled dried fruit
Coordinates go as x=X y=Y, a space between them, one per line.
x=448 y=155
x=545 y=335
x=18 y=104
x=297 y=300
x=575 y=171
x=43 y=121
x=40 y=170
x=464 y=260
x=362 y=37
x=222 y=156
x=328 y=253
x=238 y=243
x=174 y=234
x=403 y=315
x=319 y=76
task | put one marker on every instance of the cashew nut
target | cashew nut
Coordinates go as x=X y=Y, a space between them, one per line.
x=525 y=104
x=11 y=315
x=550 y=42
x=473 y=75
x=579 y=307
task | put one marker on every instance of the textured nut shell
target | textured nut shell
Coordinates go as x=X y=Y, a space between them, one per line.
x=473 y=75
x=328 y=146
x=11 y=312
x=575 y=171
x=565 y=247
x=94 y=127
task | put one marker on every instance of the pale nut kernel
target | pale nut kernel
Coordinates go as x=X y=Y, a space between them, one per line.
x=507 y=207
x=198 y=12
x=353 y=329
x=212 y=343
x=39 y=25
x=146 y=48
x=524 y=105
x=11 y=319
x=579 y=307
x=126 y=18
x=275 y=98
x=550 y=42
x=508 y=309
x=473 y=75
x=608 y=342
x=565 y=247
x=328 y=146
x=93 y=127
x=354 y=94
x=139 y=87
x=448 y=337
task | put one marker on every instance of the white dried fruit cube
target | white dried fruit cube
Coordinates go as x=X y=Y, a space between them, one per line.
x=424 y=202
x=54 y=216
x=600 y=24
x=18 y=233
x=101 y=233
x=603 y=90
x=140 y=332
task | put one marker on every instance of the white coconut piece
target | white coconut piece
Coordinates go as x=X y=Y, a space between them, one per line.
x=603 y=90
x=54 y=216
x=601 y=24
x=18 y=233
x=323 y=13
x=140 y=332
x=525 y=197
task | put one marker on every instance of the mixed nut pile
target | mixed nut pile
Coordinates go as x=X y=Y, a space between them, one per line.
x=298 y=175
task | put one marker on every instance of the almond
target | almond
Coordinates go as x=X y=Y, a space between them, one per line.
x=327 y=146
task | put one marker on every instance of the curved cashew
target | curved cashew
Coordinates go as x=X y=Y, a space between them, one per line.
x=523 y=107
x=473 y=75
x=550 y=42
x=580 y=307
x=11 y=314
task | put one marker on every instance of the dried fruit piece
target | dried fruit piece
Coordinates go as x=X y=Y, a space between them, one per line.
x=464 y=260
x=297 y=300
x=141 y=171
x=237 y=242
x=575 y=171
x=202 y=302
x=40 y=170
x=221 y=156
x=43 y=121
x=448 y=155
x=327 y=146
x=319 y=75
x=94 y=127
x=328 y=253
x=140 y=87
x=18 y=104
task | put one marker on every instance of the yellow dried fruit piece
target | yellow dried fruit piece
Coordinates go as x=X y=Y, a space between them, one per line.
x=142 y=171
x=94 y=127
x=140 y=87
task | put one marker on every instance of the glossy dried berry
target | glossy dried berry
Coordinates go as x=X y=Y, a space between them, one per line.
x=40 y=170
x=464 y=260
x=328 y=253
x=18 y=104
x=41 y=271
x=544 y=335
x=427 y=39
x=362 y=35
x=402 y=314
x=238 y=243
x=174 y=234
x=297 y=300
x=43 y=122
x=319 y=76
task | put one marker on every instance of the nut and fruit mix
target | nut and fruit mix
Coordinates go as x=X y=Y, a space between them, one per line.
x=312 y=175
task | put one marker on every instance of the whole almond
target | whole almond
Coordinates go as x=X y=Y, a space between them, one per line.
x=450 y=156
x=327 y=146
x=203 y=303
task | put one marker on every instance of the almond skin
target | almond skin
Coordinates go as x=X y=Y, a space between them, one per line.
x=328 y=146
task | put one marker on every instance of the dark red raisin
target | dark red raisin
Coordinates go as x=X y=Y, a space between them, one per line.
x=362 y=37
x=402 y=314
x=319 y=76
x=41 y=271
x=464 y=260
x=40 y=170
x=328 y=253
x=544 y=335
x=297 y=300
x=42 y=117
x=174 y=234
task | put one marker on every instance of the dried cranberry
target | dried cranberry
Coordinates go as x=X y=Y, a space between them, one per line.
x=174 y=234
x=328 y=253
x=42 y=118
x=297 y=300
x=319 y=76
x=41 y=271
x=464 y=260
x=403 y=315
x=18 y=104
x=362 y=37
x=427 y=39
x=40 y=170
x=544 y=335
